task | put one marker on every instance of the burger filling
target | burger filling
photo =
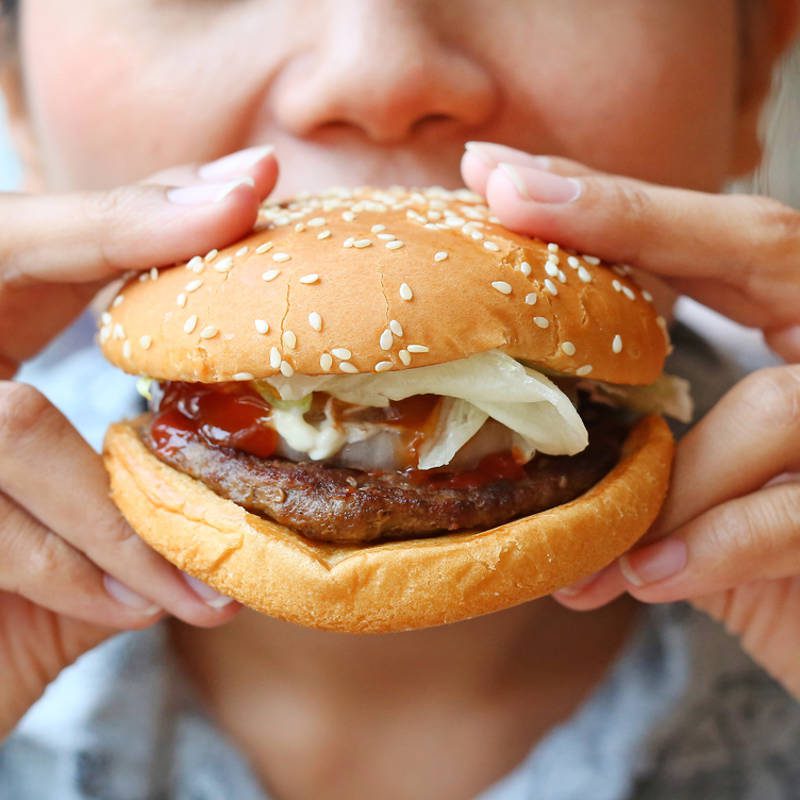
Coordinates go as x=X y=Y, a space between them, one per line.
x=354 y=458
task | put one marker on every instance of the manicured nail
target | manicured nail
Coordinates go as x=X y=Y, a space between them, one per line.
x=654 y=563
x=541 y=186
x=577 y=587
x=493 y=154
x=126 y=596
x=209 y=596
x=237 y=163
x=203 y=194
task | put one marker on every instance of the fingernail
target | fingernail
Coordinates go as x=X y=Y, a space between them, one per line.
x=204 y=193
x=236 y=163
x=577 y=587
x=654 y=563
x=125 y=595
x=209 y=596
x=541 y=186
x=494 y=154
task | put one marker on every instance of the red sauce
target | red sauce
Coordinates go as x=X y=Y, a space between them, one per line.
x=417 y=416
x=491 y=468
x=225 y=415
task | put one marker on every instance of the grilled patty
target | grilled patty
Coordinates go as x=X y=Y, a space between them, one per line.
x=347 y=506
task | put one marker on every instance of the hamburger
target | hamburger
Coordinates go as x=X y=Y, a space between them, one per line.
x=382 y=411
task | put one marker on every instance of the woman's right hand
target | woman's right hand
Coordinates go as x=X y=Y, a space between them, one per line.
x=72 y=572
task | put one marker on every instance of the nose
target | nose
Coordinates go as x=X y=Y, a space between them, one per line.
x=381 y=66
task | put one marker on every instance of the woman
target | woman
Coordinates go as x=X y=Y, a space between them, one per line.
x=380 y=92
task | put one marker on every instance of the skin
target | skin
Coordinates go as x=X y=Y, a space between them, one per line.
x=379 y=92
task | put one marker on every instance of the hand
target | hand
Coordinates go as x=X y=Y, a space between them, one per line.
x=71 y=570
x=737 y=254
x=728 y=537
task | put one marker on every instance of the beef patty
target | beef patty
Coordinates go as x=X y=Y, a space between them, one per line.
x=347 y=506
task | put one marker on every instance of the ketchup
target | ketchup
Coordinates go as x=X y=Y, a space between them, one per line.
x=491 y=468
x=225 y=415
x=417 y=416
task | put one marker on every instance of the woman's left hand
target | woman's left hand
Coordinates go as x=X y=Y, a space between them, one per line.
x=728 y=537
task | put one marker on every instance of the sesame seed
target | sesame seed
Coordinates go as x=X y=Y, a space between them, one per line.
x=211 y=255
x=195 y=264
x=377 y=228
x=617 y=285
x=362 y=243
x=126 y=348
x=315 y=321
x=551 y=269
x=550 y=286
x=194 y=285
x=476 y=235
x=262 y=326
x=153 y=273
x=441 y=255
x=530 y=299
x=243 y=376
x=616 y=344
x=312 y=277
x=348 y=216
x=628 y=292
x=287 y=370
x=552 y=258
x=348 y=242
x=395 y=327
x=386 y=237
x=541 y=322
x=405 y=292
x=118 y=301
x=326 y=234
x=270 y=275
x=382 y=366
x=405 y=357
x=143 y=277
x=190 y=324
x=209 y=332
x=105 y=318
x=492 y=246
x=264 y=248
x=502 y=287
x=274 y=357
x=552 y=247
x=573 y=262
x=594 y=260
x=224 y=265
x=562 y=277
x=180 y=300
x=584 y=275
x=647 y=296
x=386 y=340
x=346 y=366
x=326 y=361
x=299 y=227
x=281 y=257
x=119 y=331
x=418 y=348
x=525 y=269
x=105 y=333
x=568 y=348
x=395 y=244
x=316 y=222
x=584 y=370
x=341 y=352
x=289 y=340
x=242 y=251
x=145 y=342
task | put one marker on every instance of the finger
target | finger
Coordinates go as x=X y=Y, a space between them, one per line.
x=748 y=243
x=784 y=342
x=593 y=591
x=41 y=567
x=480 y=158
x=38 y=448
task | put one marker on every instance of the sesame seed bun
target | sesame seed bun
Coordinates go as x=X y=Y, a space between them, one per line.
x=394 y=586
x=372 y=280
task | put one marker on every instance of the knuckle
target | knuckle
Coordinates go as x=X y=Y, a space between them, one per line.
x=46 y=558
x=119 y=532
x=773 y=394
x=22 y=411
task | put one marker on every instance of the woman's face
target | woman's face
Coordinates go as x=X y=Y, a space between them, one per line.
x=380 y=91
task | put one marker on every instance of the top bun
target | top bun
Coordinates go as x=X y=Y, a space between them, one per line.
x=370 y=280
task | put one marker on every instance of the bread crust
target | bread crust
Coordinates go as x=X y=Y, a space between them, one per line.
x=394 y=586
x=349 y=303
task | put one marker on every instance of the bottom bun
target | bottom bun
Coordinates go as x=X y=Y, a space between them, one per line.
x=397 y=585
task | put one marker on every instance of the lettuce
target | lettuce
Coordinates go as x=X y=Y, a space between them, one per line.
x=668 y=395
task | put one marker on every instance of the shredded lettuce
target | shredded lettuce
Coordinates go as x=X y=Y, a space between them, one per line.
x=458 y=422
